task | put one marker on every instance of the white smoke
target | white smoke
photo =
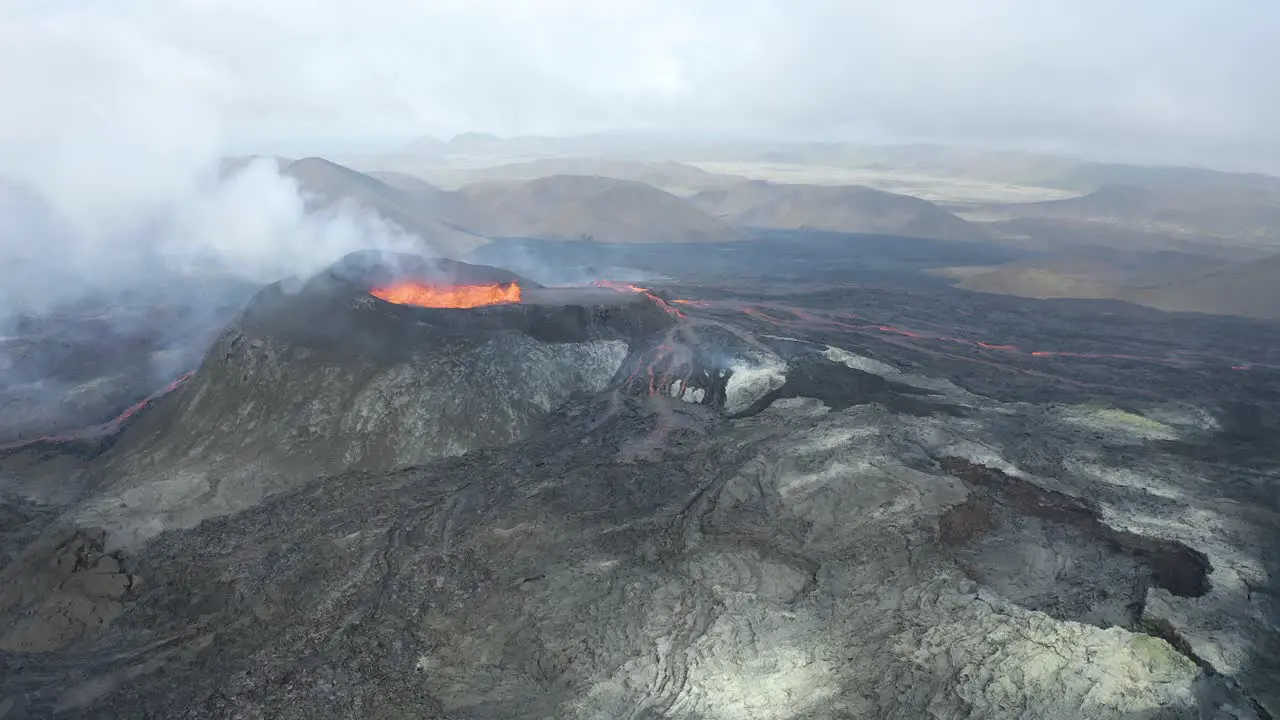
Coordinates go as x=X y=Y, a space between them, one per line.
x=126 y=238
x=110 y=155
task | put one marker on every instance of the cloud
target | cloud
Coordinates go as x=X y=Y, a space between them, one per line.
x=1182 y=80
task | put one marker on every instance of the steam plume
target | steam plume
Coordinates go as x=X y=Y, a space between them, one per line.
x=115 y=195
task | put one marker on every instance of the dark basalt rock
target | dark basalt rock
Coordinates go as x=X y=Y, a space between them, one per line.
x=1107 y=571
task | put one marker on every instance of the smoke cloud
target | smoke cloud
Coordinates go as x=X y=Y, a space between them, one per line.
x=112 y=173
x=126 y=238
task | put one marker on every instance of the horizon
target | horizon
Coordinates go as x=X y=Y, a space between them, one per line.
x=337 y=150
x=1178 y=86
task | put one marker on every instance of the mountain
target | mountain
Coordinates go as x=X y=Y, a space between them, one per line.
x=986 y=164
x=1242 y=216
x=419 y=213
x=575 y=207
x=1096 y=175
x=676 y=178
x=411 y=184
x=558 y=207
x=1179 y=284
x=835 y=208
x=1250 y=289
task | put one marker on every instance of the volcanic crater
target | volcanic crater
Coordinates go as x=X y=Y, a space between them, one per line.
x=347 y=371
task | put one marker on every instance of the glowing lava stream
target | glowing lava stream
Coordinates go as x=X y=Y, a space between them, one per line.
x=447 y=296
x=851 y=322
x=111 y=427
x=626 y=287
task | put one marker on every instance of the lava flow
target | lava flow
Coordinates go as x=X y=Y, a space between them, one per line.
x=627 y=287
x=104 y=431
x=782 y=315
x=447 y=296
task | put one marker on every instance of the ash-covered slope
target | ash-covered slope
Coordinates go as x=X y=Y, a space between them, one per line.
x=324 y=378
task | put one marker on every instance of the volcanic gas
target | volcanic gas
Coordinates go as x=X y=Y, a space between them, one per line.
x=449 y=296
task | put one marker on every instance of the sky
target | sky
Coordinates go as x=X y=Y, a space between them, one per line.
x=1174 y=81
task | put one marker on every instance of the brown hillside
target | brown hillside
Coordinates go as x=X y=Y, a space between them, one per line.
x=575 y=206
x=673 y=177
x=420 y=214
x=1249 y=289
x=1248 y=217
x=835 y=208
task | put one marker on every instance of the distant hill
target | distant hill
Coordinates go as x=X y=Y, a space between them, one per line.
x=575 y=207
x=1167 y=281
x=835 y=208
x=672 y=177
x=557 y=207
x=421 y=212
x=1095 y=175
x=1009 y=166
x=411 y=184
x=1242 y=216
x=1251 y=289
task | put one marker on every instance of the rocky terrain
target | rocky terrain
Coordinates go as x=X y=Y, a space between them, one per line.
x=793 y=499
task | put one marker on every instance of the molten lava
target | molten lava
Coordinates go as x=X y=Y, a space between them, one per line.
x=627 y=287
x=447 y=296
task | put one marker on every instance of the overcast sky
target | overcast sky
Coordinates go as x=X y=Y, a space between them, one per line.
x=1179 y=81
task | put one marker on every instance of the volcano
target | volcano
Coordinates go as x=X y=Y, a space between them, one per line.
x=381 y=361
x=454 y=296
x=392 y=489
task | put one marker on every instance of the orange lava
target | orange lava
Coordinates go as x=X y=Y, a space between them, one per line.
x=627 y=287
x=447 y=296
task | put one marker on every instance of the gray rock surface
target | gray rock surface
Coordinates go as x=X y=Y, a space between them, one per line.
x=63 y=586
x=801 y=562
